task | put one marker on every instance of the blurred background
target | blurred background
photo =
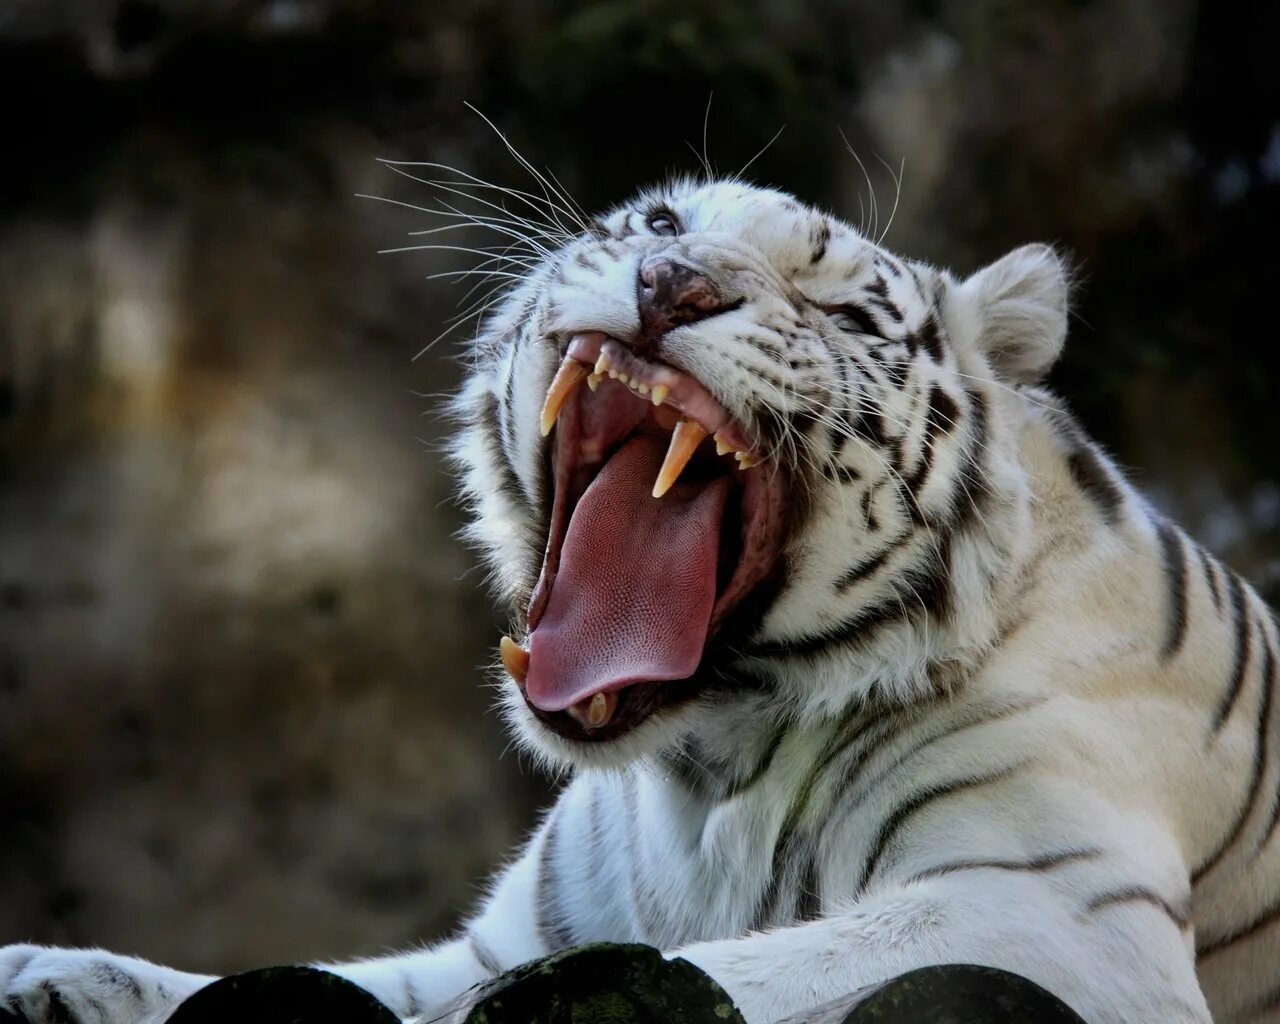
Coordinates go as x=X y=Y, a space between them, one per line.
x=242 y=718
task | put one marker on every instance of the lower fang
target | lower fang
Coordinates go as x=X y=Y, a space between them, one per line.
x=659 y=394
x=515 y=659
x=684 y=442
x=593 y=381
x=744 y=460
x=596 y=710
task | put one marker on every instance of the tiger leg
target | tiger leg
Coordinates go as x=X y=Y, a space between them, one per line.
x=1115 y=959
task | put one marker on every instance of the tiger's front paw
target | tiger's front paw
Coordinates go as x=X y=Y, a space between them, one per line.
x=43 y=985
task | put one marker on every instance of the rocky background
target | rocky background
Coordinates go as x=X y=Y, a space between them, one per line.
x=242 y=717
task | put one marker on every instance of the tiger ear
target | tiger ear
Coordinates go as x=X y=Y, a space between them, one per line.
x=1018 y=312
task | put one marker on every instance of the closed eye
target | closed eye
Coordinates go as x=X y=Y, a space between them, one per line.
x=663 y=222
x=852 y=319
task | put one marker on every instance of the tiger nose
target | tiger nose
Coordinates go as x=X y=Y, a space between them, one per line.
x=669 y=293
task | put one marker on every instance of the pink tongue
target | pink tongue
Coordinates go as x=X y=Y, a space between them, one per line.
x=637 y=580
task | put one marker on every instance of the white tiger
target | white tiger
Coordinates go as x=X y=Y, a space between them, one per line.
x=907 y=675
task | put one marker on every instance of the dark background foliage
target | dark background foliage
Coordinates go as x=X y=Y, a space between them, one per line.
x=240 y=653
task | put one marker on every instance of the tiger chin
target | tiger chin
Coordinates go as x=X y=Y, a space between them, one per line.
x=863 y=655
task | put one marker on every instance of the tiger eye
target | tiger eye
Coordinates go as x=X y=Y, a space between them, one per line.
x=663 y=223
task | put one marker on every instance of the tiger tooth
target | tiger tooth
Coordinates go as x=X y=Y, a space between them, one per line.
x=602 y=365
x=596 y=710
x=745 y=461
x=684 y=442
x=659 y=394
x=568 y=377
x=593 y=380
x=515 y=659
x=723 y=447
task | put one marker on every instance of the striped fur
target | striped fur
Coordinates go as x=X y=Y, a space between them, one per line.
x=995 y=709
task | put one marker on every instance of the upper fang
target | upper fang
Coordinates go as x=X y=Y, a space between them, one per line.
x=568 y=377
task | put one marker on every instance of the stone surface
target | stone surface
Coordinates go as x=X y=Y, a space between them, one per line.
x=283 y=995
x=600 y=983
x=948 y=994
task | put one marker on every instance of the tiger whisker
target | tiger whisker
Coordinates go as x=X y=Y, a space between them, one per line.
x=580 y=217
x=543 y=229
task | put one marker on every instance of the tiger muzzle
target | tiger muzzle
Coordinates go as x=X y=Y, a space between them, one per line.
x=670 y=293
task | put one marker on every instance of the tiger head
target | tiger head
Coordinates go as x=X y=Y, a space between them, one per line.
x=730 y=460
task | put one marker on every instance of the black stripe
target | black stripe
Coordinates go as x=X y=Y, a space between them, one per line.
x=1260 y=744
x=483 y=954
x=1243 y=620
x=1175 y=570
x=892 y=312
x=836 y=439
x=1139 y=894
x=858 y=628
x=1096 y=481
x=925 y=590
x=846 y=801
x=591 y=855
x=1268 y=670
x=929 y=338
x=507 y=482
x=112 y=976
x=971 y=481
x=633 y=872
x=507 y=419
x=929 y=588
x=1264 y=920
x=851 y=727
x=552 y=930
x=873 y=564
x=762 y=765
x=940 y=418
x=1211 y=577
x=411 y=1005
x=809 y=899
x=915 y=276
x=894 y=823
x=819 y=238
x=1255 y=1010
x=1046 y=862
x=843 y=474
x=873 y=524
x=684 y=767
x=884 y=262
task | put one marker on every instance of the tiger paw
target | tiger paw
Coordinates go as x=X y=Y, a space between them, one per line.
x=44 y=985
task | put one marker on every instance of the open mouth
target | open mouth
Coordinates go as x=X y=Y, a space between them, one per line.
x=664 y=519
